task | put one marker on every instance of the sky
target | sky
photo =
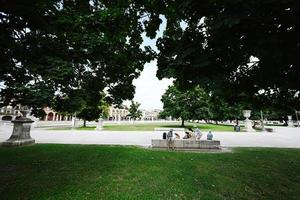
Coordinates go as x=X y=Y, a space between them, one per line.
x=149 y=89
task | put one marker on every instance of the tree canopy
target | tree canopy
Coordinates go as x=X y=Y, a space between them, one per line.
x=55 y=51
x=232 y=46
x=192 y=104
x=134 y=111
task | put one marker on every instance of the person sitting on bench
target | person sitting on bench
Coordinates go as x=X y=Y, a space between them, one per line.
x=187 y=135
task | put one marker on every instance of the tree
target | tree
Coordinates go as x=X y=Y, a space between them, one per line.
x=89 y=114
x=52 y=51
x=222 y=110
x=92 y=110
x=134 y=111
x=187 y=105
x=235 y=47
x=277 y=104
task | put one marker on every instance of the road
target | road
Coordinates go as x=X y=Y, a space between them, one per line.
x=282 y=137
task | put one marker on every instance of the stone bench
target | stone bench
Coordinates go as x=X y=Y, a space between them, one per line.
x=188 y=144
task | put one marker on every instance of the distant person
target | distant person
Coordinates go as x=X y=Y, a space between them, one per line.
x=209 y=135
x=170 y=140
x=19 y=115
x=187 y=135
x=198 y=134
x=177 y=136
x=164 y=136
x=192 y=135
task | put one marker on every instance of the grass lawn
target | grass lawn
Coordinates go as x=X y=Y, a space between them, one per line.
x=151 y=126
x=102 y=172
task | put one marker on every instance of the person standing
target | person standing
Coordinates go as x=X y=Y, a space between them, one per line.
x=170 y=140
x=198 y=134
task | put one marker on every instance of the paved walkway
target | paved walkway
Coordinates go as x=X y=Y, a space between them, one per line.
x=282 y=137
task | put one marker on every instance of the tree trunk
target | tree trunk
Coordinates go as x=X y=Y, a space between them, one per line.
x=182 y=122
x=237 y=121
x=84 y=123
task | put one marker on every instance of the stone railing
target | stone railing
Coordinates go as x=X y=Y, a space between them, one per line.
x=48 y=124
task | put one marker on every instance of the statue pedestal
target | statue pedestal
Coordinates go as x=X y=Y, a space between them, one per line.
x=100 y=125
x=21 y=133
x=248 y=126
x=75 y=123
x=290 y=121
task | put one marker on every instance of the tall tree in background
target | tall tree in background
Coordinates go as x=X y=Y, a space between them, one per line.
x=192 y=104
x=223 y=110
x=51 y=51
x=91 y=110
x=134 y=112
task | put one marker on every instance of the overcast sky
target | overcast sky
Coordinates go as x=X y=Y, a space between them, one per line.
x=148 y=88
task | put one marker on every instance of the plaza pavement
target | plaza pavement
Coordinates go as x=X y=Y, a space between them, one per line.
x=282 y=137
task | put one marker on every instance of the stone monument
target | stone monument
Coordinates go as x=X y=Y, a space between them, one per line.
x=99 y=126
x=21 y=133
x=248 y=122
x=119 y=119
x=74 y=124
x=290 y=121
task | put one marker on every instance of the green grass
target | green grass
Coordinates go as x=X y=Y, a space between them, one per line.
x=151 y=126
x=102 y=172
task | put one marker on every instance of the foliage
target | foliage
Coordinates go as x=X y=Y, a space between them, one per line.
x=222 y=110
x=134 y=111
x=39 y=113
x=89 y=114
x=91 y=109
x=192 y=104
x=234 y=47
x=277 y=105
x=53 y=52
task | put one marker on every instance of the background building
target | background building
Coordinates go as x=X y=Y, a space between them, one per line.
x=150 y=115
x=52 y=115
x=117 y=113
x=9 y=112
